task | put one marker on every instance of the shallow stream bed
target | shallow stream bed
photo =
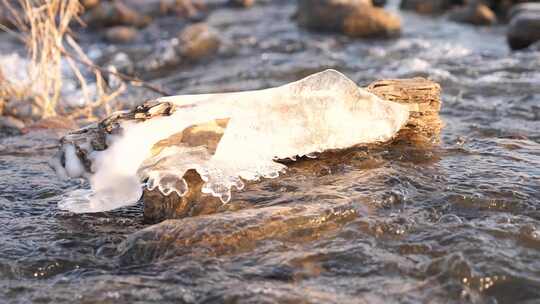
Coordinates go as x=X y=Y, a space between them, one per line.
x=456 y=222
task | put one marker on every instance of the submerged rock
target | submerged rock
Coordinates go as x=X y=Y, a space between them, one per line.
x=524 y=28
x=235 y=232
x=356 y=18
x=475 y=12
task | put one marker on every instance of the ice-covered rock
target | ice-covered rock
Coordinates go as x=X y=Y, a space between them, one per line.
x=324 y=111
x=355 y=18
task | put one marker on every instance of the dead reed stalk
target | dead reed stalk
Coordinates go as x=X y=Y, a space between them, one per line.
x=44 y=26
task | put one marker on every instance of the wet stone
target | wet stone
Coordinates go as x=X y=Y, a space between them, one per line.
x=427 y=7
x=115 y=13
x=234 y=232
x=355 y=18
x=475 y=13
x=379 y=3
x=524 y=8
x=121 y=34
x=87 y=4
x=524 y=29
x=198 y=41
x=23 y=110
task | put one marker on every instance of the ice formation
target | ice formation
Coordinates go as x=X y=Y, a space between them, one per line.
x=321 y=112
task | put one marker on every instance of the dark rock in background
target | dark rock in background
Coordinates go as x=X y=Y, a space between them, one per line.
x=429 y=7
x=475 y=12
x=379 y=3
x=121 y=34
x=241 y=3
x=524 y=27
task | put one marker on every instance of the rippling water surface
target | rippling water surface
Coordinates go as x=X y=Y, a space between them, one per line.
x=452 y=223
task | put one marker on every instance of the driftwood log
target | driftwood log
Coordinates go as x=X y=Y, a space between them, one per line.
x=422 y=96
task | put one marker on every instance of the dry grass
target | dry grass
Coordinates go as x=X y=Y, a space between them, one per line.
x=44 y=26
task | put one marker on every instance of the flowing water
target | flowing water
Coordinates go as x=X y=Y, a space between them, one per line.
x=457 y=222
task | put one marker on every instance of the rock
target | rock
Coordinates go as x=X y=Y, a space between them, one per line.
x=88 y=4
x=428 y=7
x=239 y=231
x=379 y=3
x=475 y=12
x=374 y=22
x=524 y=29
x=198 y=41
x=156 y=8
x=23 y=110
x=121 y=34
x=241 y=3
x=356 y=18
x=424 y=125
x=11 y=123
x=115 y=13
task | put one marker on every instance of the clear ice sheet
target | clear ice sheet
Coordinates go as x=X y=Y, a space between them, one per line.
x=320 y=112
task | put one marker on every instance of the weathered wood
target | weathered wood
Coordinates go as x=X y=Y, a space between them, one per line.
x=421 y=95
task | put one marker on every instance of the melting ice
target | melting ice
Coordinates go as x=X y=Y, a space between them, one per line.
x=321 y=112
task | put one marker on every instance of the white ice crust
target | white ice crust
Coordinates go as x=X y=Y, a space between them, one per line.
x=321 y=112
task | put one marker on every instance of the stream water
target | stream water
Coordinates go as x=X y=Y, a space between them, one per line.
x=457 y=222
